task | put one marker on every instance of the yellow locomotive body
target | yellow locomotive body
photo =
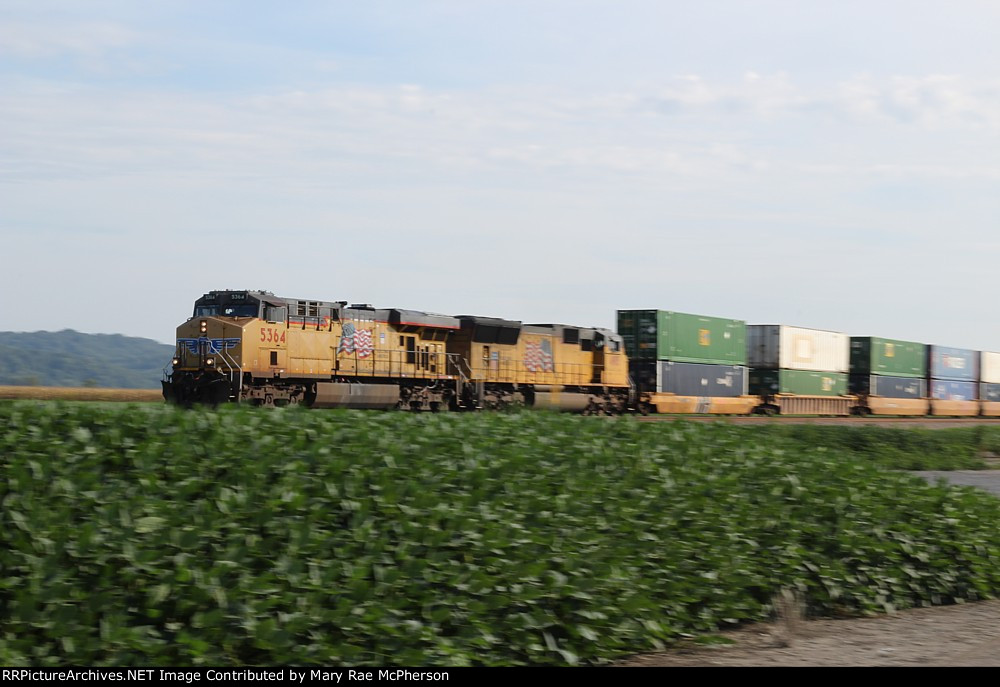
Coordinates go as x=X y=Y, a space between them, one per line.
x=250 y=346
x=543 y=365
x=254 y=347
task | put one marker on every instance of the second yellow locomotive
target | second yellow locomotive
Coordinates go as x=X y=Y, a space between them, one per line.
x=251 y=346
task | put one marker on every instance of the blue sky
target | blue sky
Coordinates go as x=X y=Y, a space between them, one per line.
x=823 y=164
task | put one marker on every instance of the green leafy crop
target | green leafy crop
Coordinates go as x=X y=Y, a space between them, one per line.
x=148 y=535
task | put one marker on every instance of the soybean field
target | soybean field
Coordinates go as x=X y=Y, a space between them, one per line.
x=142 y=534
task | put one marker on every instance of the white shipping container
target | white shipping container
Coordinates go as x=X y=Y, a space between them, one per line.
x=778 y=346
x=989 y=367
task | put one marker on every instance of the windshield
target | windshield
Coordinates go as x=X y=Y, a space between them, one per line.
x=241 y=310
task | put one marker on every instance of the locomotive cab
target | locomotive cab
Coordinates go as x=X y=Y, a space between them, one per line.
x=207 y=363
x=228 y=304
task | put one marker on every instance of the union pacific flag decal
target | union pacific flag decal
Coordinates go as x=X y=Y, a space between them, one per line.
x=357 y=341
x=538 y=356
x=212 y=346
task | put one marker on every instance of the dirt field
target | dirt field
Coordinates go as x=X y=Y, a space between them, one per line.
x=988 y=480
x=961 y=635
x=56 y=393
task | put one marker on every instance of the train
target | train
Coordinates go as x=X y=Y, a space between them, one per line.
x=252 y=347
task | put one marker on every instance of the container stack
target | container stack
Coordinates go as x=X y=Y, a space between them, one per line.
x=989 y=383
x=952 y=380
x=687 y=363
x=797 y=370
x=889 y=376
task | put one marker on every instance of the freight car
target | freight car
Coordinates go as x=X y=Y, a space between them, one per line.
x=254 y=347
x=684 y=363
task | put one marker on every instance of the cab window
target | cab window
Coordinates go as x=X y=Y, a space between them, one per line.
x=243 y=310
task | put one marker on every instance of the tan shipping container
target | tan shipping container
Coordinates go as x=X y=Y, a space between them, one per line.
x=775 y=346
x=989 y=367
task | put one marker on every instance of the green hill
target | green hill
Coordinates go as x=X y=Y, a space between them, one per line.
x=70 y=358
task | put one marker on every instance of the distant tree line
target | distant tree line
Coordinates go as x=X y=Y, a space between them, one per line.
x=70 y=358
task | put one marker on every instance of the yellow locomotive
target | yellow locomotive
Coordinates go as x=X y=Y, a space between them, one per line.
x=251 y=346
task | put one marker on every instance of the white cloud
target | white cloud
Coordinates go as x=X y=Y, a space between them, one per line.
x=939 y=101
x=921 y=172
x=932 y=101
x=291 y=136
x=46 y=40
x=737 y=179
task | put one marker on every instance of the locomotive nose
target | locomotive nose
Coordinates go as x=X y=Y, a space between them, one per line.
x=206 y=363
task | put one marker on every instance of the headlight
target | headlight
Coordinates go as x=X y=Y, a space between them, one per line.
x=204 y=326
x=210 y=361
x=175 y=362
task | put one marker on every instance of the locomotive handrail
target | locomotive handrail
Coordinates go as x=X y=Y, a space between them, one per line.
x=231 y=362
x=390 y=363
x=222 y=357
x=506 y=368
x=418 y=364
x=457 y=361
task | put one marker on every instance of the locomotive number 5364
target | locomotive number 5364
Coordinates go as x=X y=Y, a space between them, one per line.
x=270 y=335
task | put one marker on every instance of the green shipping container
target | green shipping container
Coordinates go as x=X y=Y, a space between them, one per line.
x=683 y=338
x=871 y=355
x=798 y=382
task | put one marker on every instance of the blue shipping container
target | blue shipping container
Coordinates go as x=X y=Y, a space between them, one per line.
x=989 y=392
x=889 y=387
x=948 y=390
x=959 y=364
x=689 y=379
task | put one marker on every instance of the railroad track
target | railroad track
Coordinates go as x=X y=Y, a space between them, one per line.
x=56 y=393
x=934 y=422
x=155 y=396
